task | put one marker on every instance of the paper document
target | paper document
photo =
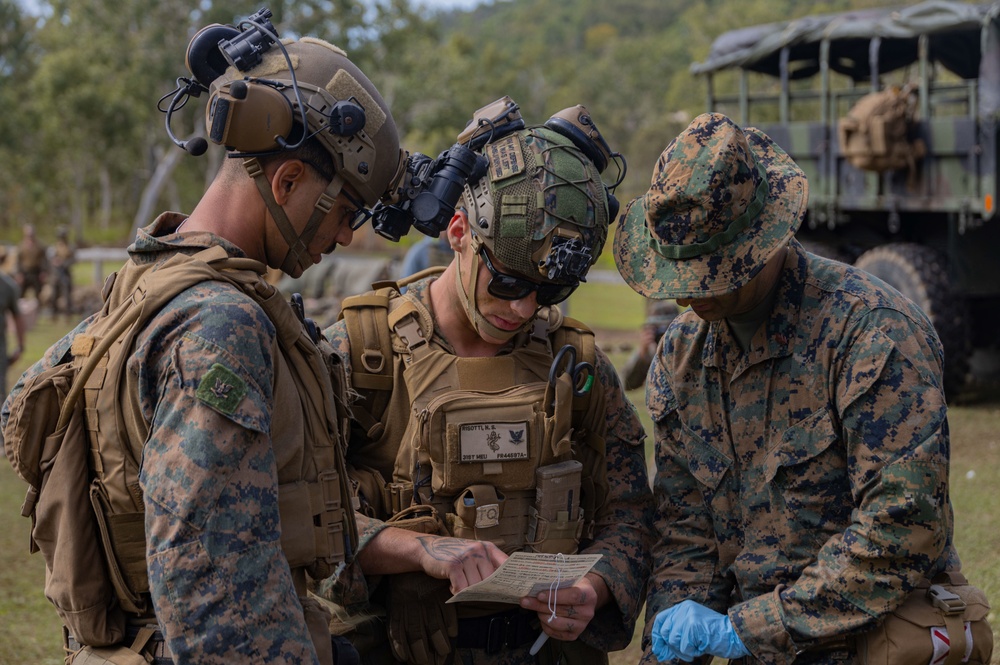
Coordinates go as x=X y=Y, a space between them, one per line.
x=527 y=574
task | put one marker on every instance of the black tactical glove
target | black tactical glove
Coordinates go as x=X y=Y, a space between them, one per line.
x=421 y=625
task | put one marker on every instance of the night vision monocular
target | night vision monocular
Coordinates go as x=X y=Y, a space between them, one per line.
x=428 y=190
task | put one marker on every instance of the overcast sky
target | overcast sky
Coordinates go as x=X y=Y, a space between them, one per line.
x=449 y=4
x=32 y=5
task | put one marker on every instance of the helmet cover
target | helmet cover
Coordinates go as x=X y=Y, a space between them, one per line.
x=541 y=208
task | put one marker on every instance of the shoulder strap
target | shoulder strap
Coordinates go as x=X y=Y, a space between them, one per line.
x=366 y=317
x=370 y=319
x=135 y=307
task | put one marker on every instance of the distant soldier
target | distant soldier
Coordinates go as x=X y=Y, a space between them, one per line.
x=32 y=263
x=63 y=258
x=9 y=293
x=659 y=314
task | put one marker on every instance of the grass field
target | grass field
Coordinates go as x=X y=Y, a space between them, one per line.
x=30 y=630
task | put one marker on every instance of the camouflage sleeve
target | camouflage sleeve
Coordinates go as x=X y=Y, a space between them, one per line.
x=621 y=533
x=684 y=550
x=892 y=420
x=348 y=587
x=219 y=580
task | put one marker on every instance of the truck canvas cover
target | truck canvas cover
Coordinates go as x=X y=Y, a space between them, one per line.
x=954 y=31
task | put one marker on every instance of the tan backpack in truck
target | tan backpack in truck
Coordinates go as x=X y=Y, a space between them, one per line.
x=876 y=135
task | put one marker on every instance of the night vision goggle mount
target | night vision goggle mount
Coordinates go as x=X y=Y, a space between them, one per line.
x=427 y=190
x=251 y=116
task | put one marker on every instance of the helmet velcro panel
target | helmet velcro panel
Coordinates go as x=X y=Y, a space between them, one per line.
x=345 y=86
x=540 y=185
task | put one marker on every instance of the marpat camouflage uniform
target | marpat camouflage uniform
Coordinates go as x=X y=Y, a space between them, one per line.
x=802 y=486
x=221 y=586
x=621 y=530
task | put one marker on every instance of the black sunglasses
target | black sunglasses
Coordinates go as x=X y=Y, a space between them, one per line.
x=509 y=287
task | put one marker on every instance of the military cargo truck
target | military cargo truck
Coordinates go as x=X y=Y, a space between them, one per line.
x=914 y=201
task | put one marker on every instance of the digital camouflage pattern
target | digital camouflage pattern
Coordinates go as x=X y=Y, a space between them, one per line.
x=721 y=202
x=621 y=531
x=802 y=485
x=221 y=586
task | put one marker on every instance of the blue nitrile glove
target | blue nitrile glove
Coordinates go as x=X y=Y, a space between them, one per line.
x=688 y=630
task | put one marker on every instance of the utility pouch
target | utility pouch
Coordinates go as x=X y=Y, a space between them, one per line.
x=556 y=522
x=479 y=510
x=474 y=437
x=941 y=622
x=421 y=519
x=123 y=536
x=52 y=458
x=483 y=513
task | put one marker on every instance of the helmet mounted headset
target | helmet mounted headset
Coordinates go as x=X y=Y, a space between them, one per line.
x=262 y=103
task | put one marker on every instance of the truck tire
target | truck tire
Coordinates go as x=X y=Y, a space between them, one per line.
x=921 y=274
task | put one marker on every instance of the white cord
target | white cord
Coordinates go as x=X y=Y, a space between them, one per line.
x=554 y=587
x=553 y=594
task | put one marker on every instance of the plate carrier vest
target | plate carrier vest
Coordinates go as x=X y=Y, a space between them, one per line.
x=490 y=447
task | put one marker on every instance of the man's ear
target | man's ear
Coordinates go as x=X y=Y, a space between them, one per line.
x=289 y=175
x=458 y=230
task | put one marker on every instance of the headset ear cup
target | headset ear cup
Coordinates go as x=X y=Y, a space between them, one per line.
x=613 y=206
x=580 y=140
x=203 y=58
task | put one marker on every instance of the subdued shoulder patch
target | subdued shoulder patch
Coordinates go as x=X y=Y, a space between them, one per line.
x=221 y=389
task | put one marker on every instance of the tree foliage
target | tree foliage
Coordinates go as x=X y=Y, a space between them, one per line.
x=81 y=137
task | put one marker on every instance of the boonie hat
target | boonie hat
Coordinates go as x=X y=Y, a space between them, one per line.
x=722 y=201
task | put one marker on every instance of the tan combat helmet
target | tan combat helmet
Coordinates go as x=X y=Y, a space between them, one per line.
x=263 y=91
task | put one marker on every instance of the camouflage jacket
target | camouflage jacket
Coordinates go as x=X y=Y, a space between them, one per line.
x=622 y=527
x=220 y=583
x=802 y=485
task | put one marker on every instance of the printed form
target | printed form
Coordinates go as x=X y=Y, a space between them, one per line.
x=527 y=574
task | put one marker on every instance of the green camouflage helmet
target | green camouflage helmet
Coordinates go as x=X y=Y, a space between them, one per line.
x=541 y=208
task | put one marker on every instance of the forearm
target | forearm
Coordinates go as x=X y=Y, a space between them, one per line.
x=238 y=607
x=392 y=550
x=462 y=562
x=621 y=533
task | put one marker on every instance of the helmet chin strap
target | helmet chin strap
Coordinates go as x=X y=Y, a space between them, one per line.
x=297 y=243
x=470 y=304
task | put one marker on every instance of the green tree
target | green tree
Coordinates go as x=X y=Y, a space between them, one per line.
x=17 y=62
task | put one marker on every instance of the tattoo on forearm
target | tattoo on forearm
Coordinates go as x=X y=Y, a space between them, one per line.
x=446 y=549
